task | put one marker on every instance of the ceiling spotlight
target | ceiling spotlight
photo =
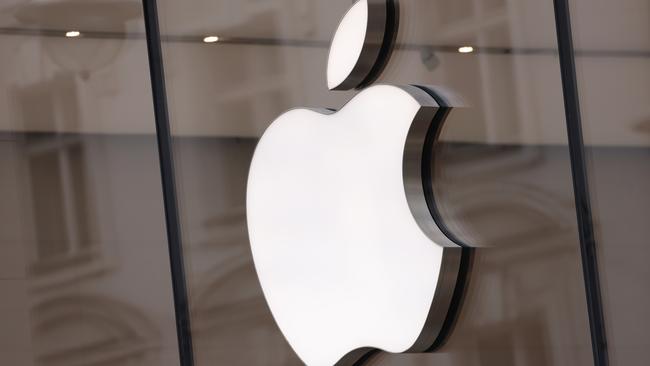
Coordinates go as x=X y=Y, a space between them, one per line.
x=466 y=49
x=72 y=34
x=210 y=39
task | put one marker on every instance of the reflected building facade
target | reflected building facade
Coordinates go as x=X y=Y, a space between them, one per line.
x=85 y=274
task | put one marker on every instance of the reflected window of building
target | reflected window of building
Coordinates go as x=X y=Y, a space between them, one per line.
x=93 y=330
x=56 y=171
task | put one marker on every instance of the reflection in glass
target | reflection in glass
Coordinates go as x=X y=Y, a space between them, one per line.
x=502 y=172
x=84 y=270
x=613 y=69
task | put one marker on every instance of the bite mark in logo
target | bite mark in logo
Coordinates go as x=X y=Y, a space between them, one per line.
x=345 y=237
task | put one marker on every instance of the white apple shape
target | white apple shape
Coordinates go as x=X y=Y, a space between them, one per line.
x=362 y=43
x=343 y=263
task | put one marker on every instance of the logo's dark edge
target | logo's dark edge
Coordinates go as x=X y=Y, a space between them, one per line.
x=467 y=253
x=427 y=162
x=387 y=44
x=462 y=281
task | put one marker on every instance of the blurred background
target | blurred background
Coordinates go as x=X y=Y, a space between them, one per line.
x=84 y=263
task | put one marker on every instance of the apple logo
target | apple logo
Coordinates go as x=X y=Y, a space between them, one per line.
x=345 y=238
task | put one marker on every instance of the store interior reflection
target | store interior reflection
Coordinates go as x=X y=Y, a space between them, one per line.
x=84 y=266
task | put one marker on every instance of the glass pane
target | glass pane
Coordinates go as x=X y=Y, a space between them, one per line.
x=612 y=42
x=84 y=269
x=502 y=173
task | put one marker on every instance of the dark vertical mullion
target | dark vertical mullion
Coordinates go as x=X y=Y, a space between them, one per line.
x=580 y=186
x=181 y=303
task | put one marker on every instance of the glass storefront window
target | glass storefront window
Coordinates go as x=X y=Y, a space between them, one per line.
x=502 y=171
x=84 y=269
x=85 y=248
x=612 y=42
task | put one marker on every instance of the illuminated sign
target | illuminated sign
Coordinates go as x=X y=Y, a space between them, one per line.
x=345 y=246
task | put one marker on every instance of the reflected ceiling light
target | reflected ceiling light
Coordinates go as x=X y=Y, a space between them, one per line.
x=72 y=34
x=466 y=49
x=73 y=18
x=210 y=39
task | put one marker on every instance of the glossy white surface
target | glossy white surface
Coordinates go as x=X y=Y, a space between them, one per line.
x=341 y=260
x=347 y=44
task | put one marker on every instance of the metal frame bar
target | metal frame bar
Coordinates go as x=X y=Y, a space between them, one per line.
x=580 y=182
x=163 y=135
